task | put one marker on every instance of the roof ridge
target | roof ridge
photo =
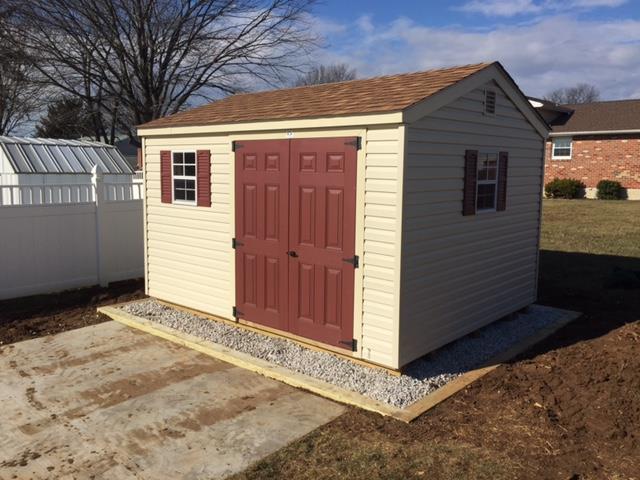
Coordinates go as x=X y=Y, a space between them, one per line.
x=53 y=141
x=620 y=100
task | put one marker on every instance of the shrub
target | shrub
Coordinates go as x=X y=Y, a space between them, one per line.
x=564 y=188
x=610 y=190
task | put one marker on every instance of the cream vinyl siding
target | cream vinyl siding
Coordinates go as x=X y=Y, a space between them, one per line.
x=189 y=257
x=189 y=260
x=382 y=233
x=460 y=273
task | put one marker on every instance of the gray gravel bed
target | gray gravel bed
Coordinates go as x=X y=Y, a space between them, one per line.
x=420 y=378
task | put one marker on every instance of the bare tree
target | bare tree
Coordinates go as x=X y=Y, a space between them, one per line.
x=18 y=93
x=326 y=74
x=132 y=61
x=581 y=93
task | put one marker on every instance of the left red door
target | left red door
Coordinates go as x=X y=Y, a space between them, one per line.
x=262 y=226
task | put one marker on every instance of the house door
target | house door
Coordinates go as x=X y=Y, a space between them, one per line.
x=295 y=236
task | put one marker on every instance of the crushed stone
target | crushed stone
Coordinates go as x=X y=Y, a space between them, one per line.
x=419 y=378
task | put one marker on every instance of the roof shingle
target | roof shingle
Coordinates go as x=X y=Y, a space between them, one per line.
x=373 y=95
x=600 y=116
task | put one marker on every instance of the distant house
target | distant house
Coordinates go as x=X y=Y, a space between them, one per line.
x=593 y=142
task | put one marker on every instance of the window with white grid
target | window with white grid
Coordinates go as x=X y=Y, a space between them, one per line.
x=184 y=177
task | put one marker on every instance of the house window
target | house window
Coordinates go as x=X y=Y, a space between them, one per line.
x=489 y=102
x=184 y=177
x=487 y=184
x=561 y=148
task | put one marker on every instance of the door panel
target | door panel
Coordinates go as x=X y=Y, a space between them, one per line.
x=262 y=227
x=322 y=233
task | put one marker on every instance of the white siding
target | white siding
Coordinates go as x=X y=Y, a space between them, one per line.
x=460 y=273
x=189 y=257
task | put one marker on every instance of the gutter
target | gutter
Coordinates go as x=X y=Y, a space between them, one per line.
x=594 y=132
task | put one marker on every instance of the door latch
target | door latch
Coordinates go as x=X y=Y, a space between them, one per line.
x=292 y=253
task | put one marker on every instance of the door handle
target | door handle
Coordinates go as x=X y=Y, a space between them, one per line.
x=292 y=253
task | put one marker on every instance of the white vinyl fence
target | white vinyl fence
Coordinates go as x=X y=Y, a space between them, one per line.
x=55 y=237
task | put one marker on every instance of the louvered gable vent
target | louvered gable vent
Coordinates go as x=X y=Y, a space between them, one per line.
x=490 y=102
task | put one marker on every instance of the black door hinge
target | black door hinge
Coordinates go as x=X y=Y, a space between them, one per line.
x=236 y=243
x=236 y=313
x=236 y=145
x=352 y=344
x=355 y=143
x=355 y=261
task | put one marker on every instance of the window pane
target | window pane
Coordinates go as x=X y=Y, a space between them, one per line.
x=178 y=170
x=486 y=197
x=179 y=183
x=561 y=152
x=190 y=184
x=177 y=157
x=562 y=142
x=190 y=157
x=191 y=194
x=179 y=195
x=487 y=167
x=190 y=170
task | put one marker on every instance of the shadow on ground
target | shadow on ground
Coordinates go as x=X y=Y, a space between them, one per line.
x=605 y=288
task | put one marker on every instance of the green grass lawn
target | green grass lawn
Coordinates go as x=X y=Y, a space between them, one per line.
x=490 y=430
x=602 y=227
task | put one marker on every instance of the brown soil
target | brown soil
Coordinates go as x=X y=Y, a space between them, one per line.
x=567 y=409
x=39 y=315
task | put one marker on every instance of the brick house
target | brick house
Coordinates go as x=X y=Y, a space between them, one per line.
x=592 y=142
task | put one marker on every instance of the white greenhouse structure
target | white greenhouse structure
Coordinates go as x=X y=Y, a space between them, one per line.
x=42 y=170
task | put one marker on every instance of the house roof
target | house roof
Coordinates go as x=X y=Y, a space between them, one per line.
x=548 y=105
x=44 y=155
x=615 y=116
x=373 y=95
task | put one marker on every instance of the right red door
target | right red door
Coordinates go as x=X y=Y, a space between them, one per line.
x=322 y=239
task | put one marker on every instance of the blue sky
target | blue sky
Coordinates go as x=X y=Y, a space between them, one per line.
x=544 y=44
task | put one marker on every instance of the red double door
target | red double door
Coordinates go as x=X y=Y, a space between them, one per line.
x=295 y=236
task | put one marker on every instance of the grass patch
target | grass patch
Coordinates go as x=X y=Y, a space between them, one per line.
x=601 y=227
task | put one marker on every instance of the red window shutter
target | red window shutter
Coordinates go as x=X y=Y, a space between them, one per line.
x=503 y=164
x=203 y=162
x=165 y=176
x=470 y=180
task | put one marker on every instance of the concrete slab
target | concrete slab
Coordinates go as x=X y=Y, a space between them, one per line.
x=107 y=401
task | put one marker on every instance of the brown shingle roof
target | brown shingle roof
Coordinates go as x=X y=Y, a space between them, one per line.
x=600 y=116
x=372 y=95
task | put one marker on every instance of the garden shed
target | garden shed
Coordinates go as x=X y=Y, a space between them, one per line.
x=45 y=161
x=380 y=218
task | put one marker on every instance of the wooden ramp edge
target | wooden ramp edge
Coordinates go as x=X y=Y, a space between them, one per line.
x=323 y=388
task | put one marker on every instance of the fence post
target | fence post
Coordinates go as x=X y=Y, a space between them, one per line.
x=100 y=200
